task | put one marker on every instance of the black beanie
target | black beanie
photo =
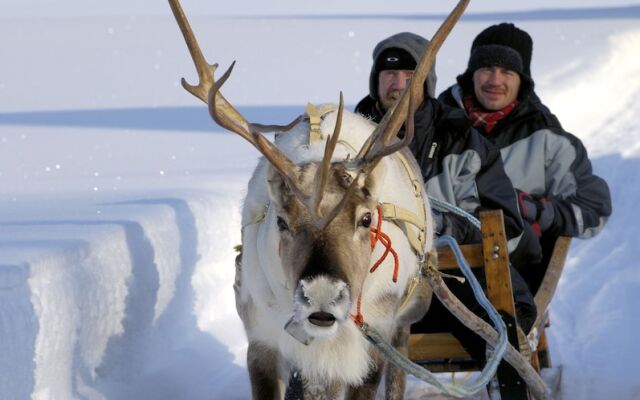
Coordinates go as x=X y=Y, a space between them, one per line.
x=495 y=55
x=394 y=59
x=507 y=34
x=408 y=47
x=502 y=45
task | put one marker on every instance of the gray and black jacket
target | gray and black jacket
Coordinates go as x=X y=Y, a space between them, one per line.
x=461 y=167
x=543 y=159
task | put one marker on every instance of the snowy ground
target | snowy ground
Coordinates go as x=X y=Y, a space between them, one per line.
x=120 y=200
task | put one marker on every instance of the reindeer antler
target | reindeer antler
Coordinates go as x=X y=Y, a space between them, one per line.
x=208 y=90
x=206 y=79
x=279 y=160
x=377 y=146
x=220 y=109
x=205 y=70
x=322 y=172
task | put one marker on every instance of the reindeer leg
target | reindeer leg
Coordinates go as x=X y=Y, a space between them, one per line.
x=396 y=378
x=264 y=376
x=316 y=391
x=369 y=388
x=241 y=307
x=260 y=358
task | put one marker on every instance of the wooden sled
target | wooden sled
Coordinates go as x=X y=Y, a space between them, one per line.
x=441 y=352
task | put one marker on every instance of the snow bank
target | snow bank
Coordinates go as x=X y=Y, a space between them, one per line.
x=100 y=305
x=116 y=276
x=601 y=102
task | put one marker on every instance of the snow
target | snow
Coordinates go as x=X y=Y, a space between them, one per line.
x=120 y=201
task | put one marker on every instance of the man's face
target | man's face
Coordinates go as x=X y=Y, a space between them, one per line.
x=391 y=83
x=495 y=87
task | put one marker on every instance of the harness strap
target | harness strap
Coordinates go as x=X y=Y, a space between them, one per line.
x=412 y=225
x=315 y=115
x=429 y=261
x=403 y=217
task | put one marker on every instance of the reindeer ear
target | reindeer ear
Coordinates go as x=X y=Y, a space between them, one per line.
x=278 y=189
x=368 y=184
x=373 y=181
x=344 y=177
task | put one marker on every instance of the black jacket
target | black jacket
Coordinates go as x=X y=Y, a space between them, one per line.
x=463 y=168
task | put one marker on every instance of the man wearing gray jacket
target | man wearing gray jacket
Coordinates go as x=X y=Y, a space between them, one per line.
x=558 y=194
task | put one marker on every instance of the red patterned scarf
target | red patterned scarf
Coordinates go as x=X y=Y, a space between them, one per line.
x=482 y=118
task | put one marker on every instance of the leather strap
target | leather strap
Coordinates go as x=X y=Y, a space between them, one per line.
x=315 y=115
x=403 y=218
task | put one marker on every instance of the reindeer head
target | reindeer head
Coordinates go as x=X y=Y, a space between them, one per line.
x=328 y=262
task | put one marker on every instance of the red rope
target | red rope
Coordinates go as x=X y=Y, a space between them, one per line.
x=358 y=318
x=376 y=235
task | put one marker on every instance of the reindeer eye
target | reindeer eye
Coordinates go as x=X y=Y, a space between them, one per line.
x=282 y=224
x=366 y=220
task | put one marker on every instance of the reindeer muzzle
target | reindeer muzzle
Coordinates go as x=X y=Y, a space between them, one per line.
x=322 y=319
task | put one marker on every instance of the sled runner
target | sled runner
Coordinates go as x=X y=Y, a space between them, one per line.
x=441 y=352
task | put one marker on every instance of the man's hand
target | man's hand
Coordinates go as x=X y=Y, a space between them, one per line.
x=537 y=210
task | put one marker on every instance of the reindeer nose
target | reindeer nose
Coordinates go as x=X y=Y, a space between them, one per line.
x=322 y=318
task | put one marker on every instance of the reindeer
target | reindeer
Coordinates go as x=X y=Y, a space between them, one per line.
x=318 y=257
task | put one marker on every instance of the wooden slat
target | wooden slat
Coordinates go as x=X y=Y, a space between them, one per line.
x=496 y=261
x=471 y=252
x=543 y=351
x=452 y=366
x=552 y=274
x=500 y=293
x=435 y=346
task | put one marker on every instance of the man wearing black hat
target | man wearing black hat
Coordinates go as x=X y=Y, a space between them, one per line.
x=557 y=192
x=458 y=166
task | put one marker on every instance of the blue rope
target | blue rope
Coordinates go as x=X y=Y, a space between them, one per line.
x=444 y=206
x=401 y=361
x=489 y=370
x=495 y=317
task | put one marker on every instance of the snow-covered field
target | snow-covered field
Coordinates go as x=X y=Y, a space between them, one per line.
x=120 y=200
